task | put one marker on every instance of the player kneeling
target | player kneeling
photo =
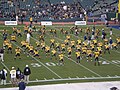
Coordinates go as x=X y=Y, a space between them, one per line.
x=17 y=53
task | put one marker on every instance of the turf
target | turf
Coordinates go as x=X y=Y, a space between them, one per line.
x=70 y=69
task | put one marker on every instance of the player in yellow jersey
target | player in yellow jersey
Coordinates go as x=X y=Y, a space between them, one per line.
x=57 y=46
x=41 y=38
x=84 y=49
x=78 y=47
x=79 y=42
x=55 y=32
x=96 y=55
x=26 y=29
x=31 y=49
x=69 y=50
x=114 y=45
x=13 y=38
x=106 y=48
x=47 y=50
x=95 y=42
x=92 y=46
x=72 y=44
x=118 y=41
x=89 y=54
x=5 y=43
x=27 y=45
x=105 y=41
x=37 y=44
x=77 y=56
x=43 y=45
x=61 y=59
x=23 y=44
x=85 y=44
x=61 y=30
x=9 y=48
x=99 y=49
x=14 y=30
x=66 y=42
x=52 y=43
x=36 y=53
x=19 y=33
x=100 y=44
x=17 y=53
x=54 y=53
x=63 y=47
x=68 y=37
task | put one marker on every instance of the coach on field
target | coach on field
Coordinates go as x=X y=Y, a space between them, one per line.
x=27 y=72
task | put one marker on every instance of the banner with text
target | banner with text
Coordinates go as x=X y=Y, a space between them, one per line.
x=11 y=23
x=46 y=23
x=80 y=22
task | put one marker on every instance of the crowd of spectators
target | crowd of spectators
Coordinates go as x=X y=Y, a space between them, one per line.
x=39 y=10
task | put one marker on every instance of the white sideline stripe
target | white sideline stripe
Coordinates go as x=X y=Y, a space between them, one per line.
x=41 y=63
x=79 y=63
x=72 y=79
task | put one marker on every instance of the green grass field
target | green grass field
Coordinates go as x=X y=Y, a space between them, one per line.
x=47 y=71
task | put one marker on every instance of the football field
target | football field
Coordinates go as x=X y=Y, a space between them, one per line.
x=46 y=70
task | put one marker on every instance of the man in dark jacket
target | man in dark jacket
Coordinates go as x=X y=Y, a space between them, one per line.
x=3 y=75
x=21 y=85
x=27 y=72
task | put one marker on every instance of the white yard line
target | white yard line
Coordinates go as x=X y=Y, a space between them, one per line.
x=75 y=61
x=5 y=66
x=101 y=57
x=37 y=61
x=40 y=62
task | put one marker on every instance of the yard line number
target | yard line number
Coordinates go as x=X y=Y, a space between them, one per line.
x=50 y=64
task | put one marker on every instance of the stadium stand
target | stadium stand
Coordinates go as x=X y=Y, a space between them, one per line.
x=55 y=10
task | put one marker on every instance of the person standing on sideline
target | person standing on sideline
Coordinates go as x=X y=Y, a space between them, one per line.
x=18 y=74
x=28 y=38
x=3 y=76
x=1 y=54
x=22 y=85
x=27 y=73
x=13 y=76
x=31 y=20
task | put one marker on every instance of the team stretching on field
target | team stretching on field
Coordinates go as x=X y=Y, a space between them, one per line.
x=92 y=46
